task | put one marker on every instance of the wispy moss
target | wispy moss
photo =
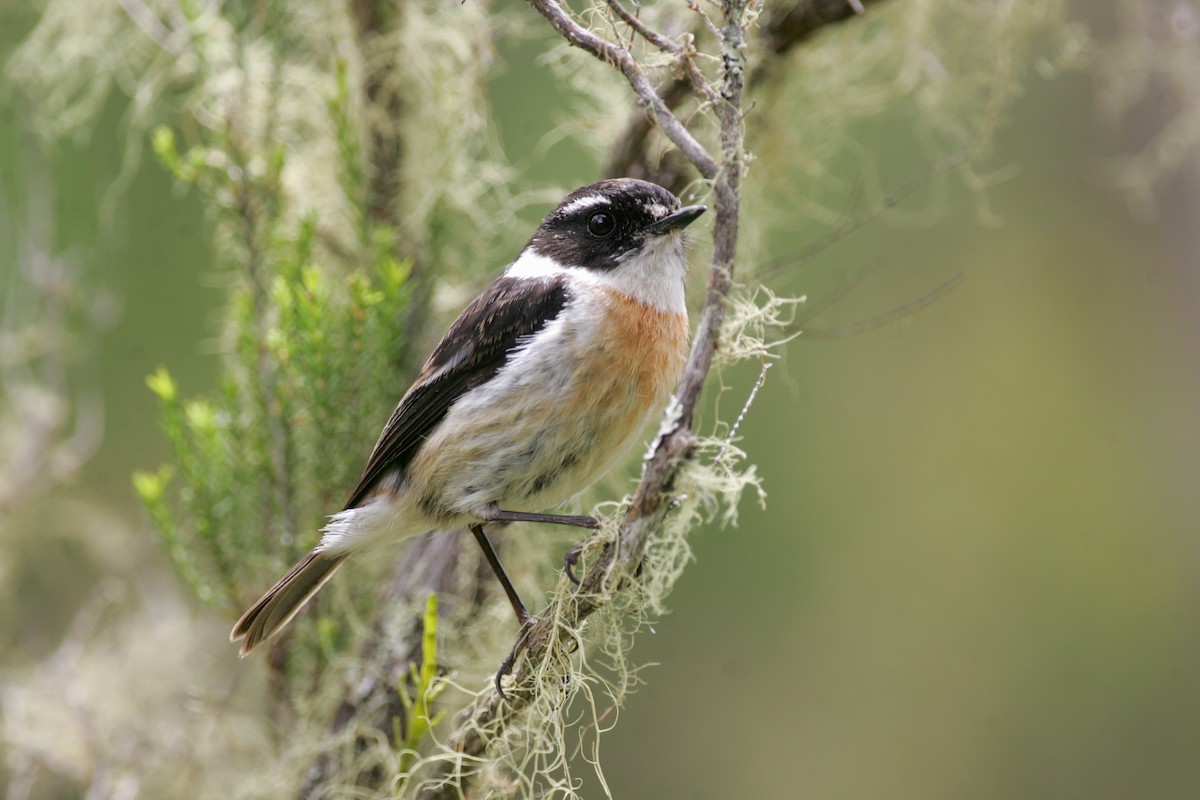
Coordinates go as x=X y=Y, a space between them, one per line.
x=1153 y=55
x=946 y=72
x=351 y=176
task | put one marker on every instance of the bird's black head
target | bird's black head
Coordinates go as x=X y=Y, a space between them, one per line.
x=600 y=226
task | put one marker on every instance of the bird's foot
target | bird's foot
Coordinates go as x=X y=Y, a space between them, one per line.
x=510 y=661
x=570 y=559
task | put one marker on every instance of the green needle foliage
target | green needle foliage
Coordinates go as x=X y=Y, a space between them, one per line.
x=347 y=158
x=313 y=353
x=231 y=481
x=258 y=465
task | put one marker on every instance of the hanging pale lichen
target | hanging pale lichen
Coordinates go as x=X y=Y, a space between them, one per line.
x=1149 y=81
x=280 y=116
x=944 y=72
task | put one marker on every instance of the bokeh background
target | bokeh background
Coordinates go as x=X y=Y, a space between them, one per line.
x=977 y=573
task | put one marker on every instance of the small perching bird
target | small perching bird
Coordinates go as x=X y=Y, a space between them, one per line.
x=537 y=389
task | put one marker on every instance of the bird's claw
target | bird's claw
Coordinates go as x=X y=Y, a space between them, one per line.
x=570 y=559
x=510 y=661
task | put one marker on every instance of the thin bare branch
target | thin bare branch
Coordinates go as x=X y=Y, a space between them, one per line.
x=783 y=30
x=645 y=31
x=630 y=145
x=890 y=200
x=694 y=7
x=882 y=320
x=701 y=86
x=580 y=37
x=491 y=714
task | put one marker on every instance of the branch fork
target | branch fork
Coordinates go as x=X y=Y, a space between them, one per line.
x=578 y=36
x=619 y=555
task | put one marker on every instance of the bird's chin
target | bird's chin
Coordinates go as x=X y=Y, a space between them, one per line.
x=669 y=245
x=663 y=243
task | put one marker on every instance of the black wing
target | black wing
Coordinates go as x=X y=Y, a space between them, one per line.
x=477 y=345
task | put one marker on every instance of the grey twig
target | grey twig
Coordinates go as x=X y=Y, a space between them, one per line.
x=645 y=31
x=888 y=202
x=491 y=714
x=887 y=318
x=663 y=117
x=784 y=28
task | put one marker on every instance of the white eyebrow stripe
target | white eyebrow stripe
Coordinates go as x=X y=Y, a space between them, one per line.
x=580 y=203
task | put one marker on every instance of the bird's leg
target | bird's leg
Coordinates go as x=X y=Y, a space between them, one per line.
x=489 y=552
x=500 y=515
x=523 y=616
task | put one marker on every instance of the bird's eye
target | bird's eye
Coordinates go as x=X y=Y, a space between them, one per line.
x=601 y=224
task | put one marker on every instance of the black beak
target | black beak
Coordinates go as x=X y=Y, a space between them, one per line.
x=675 y=220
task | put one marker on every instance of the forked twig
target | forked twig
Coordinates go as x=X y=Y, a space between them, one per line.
x=879 y=320
x=623 y=60
x=783 y=30
x=491 y=716
x=645 y=31
x=890 y=200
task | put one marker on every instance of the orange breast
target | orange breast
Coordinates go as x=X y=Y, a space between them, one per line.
x=635 y=366
x=649 y=345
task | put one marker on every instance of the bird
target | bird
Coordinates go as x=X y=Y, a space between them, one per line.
x=536 y=390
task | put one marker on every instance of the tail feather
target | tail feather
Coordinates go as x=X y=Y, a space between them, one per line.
x=285 y=599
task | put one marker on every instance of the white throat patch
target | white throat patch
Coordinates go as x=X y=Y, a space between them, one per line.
x=653 y=275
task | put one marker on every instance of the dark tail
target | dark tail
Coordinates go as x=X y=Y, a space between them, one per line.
x=285 y=599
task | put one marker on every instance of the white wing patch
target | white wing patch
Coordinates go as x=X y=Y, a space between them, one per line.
x=452 y=363
x=533 y=265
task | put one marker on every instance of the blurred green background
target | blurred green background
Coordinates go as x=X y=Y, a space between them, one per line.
x=978 y=571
